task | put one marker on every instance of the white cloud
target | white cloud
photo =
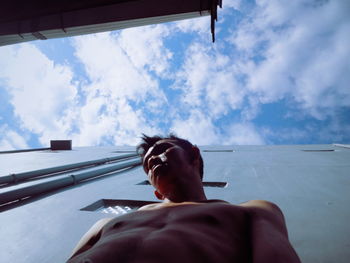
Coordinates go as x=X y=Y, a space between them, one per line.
x=290 y=135
x=40 y=90
x=46 y=101
x=105 y=121
x=110 y=69
x=121 y=76
x=333 y=132
x=199 y=25
x=201 y=130
x=297 y=52
x=11 y=140
x=207 y=79
x=117 y=72
x=236 y=4
x=243 y=134
x=145 y=47
x=197 y=128
x=305 y=51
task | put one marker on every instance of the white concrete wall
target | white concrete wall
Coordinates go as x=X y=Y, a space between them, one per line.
x=312 y=189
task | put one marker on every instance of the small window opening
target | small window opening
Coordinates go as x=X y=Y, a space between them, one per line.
x=205 y=184
x=124 y=151
x=116 y=206
x=218 y=151
x=323 y=150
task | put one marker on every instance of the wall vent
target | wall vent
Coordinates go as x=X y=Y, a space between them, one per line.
x=116 y=206
x=125 y=151
x=322 y=150
x=205 y=184
x=218 y=151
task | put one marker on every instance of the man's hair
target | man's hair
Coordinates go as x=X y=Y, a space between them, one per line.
x=148 y=142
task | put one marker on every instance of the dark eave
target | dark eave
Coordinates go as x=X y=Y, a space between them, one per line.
x=22 y=20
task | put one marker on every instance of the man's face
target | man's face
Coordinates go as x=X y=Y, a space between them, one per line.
x=168 y=168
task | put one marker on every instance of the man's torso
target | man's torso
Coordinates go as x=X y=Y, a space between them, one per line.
x=214 y=231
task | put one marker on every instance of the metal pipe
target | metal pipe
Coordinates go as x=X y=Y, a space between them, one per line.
x=25 y=150
x=14 y=178
x=55 y=184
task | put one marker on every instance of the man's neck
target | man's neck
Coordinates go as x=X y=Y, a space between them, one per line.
x=191 y=195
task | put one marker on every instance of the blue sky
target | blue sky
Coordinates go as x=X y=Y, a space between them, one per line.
x=278 y=73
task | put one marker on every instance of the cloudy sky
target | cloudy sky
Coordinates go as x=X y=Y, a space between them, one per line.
x=278 y=73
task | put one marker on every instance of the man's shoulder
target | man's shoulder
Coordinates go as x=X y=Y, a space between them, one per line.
x=263 y=213
x=262 y=205
x=263 y=208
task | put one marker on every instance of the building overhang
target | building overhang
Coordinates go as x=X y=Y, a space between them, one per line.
x=22 y=21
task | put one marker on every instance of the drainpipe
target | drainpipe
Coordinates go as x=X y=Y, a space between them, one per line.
x=14 y=178
x=69 y=180
x=55 y=145
x=25 y=150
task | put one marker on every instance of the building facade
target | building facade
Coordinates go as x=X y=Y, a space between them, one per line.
x=42 y=218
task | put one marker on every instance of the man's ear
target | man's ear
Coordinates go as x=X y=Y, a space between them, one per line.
x=158 y=195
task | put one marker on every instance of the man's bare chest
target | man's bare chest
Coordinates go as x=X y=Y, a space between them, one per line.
x=210 y=218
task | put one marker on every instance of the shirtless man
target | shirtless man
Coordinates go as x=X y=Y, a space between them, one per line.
x=186 y=226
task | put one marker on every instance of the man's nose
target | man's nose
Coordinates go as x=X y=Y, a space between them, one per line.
x=163 y=157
